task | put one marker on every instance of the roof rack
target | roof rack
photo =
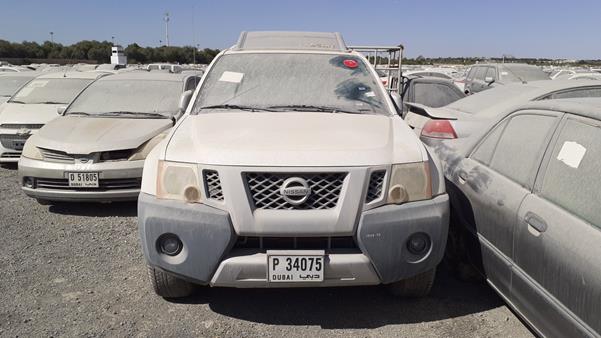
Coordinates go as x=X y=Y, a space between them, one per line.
x=388 y=59
x=290 y=40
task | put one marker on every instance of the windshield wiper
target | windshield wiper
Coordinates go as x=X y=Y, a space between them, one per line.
x=132 y=113
x=236 y=107
x=16 y=101
x=310 y=108
x=77 y=113
x=50 y=102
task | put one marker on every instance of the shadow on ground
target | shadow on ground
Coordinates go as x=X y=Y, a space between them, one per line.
x=350 y=307
x=124 y=209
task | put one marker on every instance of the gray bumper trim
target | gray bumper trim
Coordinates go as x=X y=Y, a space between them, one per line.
x=383 y=233
x=205 y=232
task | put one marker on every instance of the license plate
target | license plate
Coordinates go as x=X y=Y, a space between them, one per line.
x=18 y=145
x=295 y=267
x=83 y=180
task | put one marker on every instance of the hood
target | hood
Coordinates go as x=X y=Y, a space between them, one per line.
x=17 y=113
x=85 y=135
x=293 y=139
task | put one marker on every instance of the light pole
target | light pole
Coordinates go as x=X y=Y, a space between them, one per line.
x=166 y=19
x=52 y=37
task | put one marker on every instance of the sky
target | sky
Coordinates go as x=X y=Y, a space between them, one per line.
x=526 y=28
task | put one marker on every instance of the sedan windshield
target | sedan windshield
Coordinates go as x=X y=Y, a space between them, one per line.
x=50 y=91
x=10 y=84
x=145 y=98
x=290 y=82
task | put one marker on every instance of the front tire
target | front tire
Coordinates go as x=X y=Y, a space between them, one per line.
x=168 y=286
x=414 y=287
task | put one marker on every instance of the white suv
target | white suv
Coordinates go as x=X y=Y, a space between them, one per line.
x=292 y=167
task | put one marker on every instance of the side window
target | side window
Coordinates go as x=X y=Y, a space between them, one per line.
x=491 y=72
x=486 y=149
x=571 y=179
x=575 y=93
x=480 y=73
x=520 y=148
x=470 y=74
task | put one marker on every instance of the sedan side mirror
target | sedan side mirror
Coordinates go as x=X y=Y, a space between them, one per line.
x=489 y=80
x=184 y=100
x=61 y=110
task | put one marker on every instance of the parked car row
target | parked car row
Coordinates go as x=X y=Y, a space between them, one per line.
x=290 y=164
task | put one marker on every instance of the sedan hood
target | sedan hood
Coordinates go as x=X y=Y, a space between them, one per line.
x=85 y=135
x=17 y=113
x=293 y=139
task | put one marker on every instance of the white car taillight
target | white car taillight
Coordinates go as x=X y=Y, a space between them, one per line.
x=409 y=182
x=439 y=129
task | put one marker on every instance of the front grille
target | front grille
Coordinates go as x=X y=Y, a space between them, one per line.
x=298 y=243
x=213 y=185
x=265 y=190
x=12 y=154
x=376 y=186
x=21 y=126
x=103 y=184
x=13 y=141
x=57 y=156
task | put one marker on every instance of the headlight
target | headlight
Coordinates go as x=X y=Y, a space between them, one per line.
x=144 y=149
x=409 y=182
x=178 y=181
x=31 y=151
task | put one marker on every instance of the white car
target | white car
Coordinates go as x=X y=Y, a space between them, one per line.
x=292 y=168
x=34 y=105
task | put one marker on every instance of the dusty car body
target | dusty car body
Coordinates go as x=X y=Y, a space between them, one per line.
x=96 y=151
x=34 y=105
x=464 y=117
x=297 y=184
x=524 y=197
x=485 y=76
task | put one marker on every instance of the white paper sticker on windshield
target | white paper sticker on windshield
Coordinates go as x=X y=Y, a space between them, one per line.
x=37 y=84
x=571 y=154
x=504 y=73
x=370 y=94
x=232 y=77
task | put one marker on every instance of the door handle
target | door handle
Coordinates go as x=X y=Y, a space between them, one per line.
x=536 y=222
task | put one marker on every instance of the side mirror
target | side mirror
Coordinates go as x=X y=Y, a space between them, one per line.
x=489 y=80
x=61 y=110
x=184 y=100
x=397 y=99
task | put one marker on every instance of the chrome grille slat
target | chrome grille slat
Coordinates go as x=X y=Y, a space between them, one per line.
x=103 y=184
x=56 y=156
x=265 y=190
x=213 y=185
x=376 y=186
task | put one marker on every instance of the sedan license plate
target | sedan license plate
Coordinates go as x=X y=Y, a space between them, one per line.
x=83 y=180
x=295 y=267
x=18 y=145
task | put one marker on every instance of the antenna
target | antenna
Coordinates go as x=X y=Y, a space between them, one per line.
x=166 y=19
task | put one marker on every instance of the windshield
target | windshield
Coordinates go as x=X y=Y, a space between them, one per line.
x=129 y=96
x=50 y=91
x=291 y=82
x=10 y=84
x=522 y=73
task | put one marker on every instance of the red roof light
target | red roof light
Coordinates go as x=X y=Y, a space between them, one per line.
x=350 y=63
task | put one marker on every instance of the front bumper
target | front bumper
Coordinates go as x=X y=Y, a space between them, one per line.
x=9 y=155
x=124 y=178
x=209 y=256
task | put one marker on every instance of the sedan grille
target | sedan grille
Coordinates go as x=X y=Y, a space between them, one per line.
x=56 y=156
x=295 y=243
x=265 y=190
x=103 y=184
x=376 y=186
x=13 y=141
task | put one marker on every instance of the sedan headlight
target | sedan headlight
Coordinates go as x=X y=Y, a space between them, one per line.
x=31 y=151
x=409 y=182
x=144 y=149
x=178 y=181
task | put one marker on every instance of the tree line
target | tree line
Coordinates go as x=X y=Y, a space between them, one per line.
x=100 y=52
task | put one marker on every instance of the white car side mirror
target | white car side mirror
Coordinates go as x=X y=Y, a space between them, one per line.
x=184 y=100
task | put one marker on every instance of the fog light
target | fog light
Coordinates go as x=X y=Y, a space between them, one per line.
x=170 y=244
x=28 y=182
x=418 y=244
